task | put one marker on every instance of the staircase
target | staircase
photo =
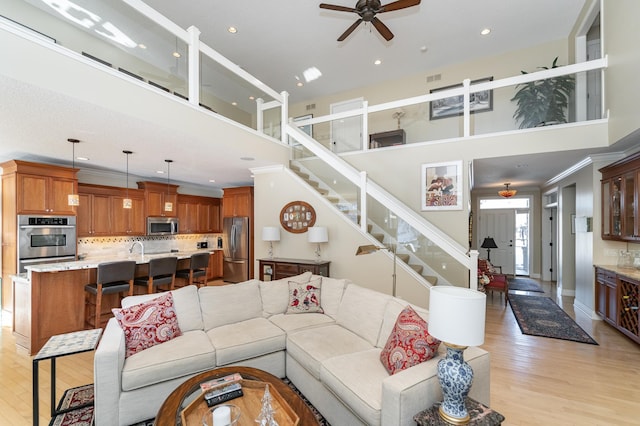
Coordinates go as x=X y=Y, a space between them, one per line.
x=354 y=217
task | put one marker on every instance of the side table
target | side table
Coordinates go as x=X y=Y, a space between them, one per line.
x=58 y=346
x=481 y=415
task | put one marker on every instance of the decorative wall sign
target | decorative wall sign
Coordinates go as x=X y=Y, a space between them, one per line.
x=297 y=216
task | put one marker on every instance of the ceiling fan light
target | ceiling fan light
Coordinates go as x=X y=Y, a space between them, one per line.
x=506 y=192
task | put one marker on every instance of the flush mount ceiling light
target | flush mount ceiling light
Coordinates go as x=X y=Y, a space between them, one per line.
x=485 y=31
x=73 y=199
x=126 y=202
x=232 y=30
x=506 y=192
x=377 y=62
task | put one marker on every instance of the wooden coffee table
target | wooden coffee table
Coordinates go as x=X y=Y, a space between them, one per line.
x=169 y=413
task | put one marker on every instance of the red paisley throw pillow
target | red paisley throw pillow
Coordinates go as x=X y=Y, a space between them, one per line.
x=409 y=343
x=148 y=324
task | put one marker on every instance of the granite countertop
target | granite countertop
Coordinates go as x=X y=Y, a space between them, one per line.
x=631 y=272
x=93 y=262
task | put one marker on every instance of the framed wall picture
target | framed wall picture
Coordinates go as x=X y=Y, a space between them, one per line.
x=452 y=106
x=441 y=186
x=297 y=216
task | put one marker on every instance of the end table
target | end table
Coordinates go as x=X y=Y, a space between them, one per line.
x=481 y=415
x=57 y=346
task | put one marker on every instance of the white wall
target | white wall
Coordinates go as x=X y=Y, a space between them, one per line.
x=275 y=187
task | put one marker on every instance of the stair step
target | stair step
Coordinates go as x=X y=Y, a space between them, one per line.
x=431 y=279
x=404 y=257
x=417 y=268
x=322 y=191
x=313 y=183
x=304 y=176
x=333 y=200
x=379 y=237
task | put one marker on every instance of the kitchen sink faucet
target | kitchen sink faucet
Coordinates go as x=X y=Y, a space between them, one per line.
x=141 y=248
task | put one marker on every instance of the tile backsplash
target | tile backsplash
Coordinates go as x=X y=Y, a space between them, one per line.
x=114 y=246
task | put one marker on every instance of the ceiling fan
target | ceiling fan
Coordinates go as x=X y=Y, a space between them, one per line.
x=367 y=10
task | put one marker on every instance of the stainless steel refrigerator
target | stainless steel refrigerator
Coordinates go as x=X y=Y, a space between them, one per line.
x=236 y=249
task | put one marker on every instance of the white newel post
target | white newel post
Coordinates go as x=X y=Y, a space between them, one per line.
x=194 y=65
x=473 y=269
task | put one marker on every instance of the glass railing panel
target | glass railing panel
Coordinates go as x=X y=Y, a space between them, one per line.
x=227 y=94
x=98 y=30
x=341 y=192
x=422 y=254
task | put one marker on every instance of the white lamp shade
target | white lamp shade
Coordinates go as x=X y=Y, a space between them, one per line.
x=457 y=315
x=318 y=234
x=270 y=233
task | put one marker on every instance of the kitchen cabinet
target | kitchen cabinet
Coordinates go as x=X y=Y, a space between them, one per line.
x=214 y=271
x=161 y=199
x=617 y=299
x=620 y=189
x=278 y=268
x=94 y=218
x=238 y=202
x=41 y=188
x=30 y=188
x=101 y=213
x=198 y=214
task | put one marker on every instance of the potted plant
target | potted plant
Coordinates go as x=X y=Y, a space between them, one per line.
x=543 y=102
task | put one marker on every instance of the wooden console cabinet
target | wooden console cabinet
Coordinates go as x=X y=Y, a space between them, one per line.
x=621 y=200
x=617 y=299
x=277 y=268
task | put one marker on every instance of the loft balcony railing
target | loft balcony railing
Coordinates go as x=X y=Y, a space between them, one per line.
x=198 y=74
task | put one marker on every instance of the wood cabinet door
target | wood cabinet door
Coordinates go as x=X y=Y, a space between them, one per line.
x=188 y=217
x=101 y=208
x=214 y=223
x=155 y=204
x=137 y=219
x=85 y=215
x=32 y=194
x=58 y=198
x=120 y=216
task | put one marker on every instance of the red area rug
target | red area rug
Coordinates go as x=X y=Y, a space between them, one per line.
x=80 y=403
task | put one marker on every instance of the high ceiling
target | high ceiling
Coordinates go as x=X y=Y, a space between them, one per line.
x=276 y=41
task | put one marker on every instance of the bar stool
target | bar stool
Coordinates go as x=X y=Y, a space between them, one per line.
x=112 y=277
x=197 y=269
x=162 y=270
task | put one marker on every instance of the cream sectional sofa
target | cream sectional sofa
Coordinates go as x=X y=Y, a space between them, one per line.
x=332 y=357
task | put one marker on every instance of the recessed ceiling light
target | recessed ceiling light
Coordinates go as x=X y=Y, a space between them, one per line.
x=423 y=49
x=142 y=46
x=82 y=158
x=176 y=54
x=377 y=62
x=247 y=158
x=485 y=31
x=232 y=30
x=299 y=84
x=251 y=98
x=234 y=103
x=160 y=172
x=212 y=180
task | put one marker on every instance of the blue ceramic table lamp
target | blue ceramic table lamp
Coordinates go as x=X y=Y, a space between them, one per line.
x=456 y=317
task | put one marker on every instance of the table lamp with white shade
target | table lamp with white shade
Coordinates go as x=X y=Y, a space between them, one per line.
x=456 y=317
x=318 y=234
x=270 y=234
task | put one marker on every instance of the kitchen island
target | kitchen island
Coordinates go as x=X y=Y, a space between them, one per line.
x=50 y=298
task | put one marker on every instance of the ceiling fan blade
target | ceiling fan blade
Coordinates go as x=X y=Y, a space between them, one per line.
x=338 y=8
x=350 y=30
x=382 y=29
x=400 y=4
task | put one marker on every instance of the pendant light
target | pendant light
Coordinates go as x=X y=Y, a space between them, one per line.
x=126 y=202
x=506 y=192
x=73 y=199
x=168 y=206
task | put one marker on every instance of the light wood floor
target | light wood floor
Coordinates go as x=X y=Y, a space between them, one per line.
x=534 y=380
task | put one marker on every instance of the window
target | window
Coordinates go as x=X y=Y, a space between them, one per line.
x=504 y=203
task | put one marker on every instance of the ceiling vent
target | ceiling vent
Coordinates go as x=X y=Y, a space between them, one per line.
x=311 y=106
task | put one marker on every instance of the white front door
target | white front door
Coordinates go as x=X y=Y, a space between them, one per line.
x=499 y=225
x=346 y=133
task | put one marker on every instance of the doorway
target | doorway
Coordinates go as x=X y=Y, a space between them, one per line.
x=507 y=221
x=346 y=133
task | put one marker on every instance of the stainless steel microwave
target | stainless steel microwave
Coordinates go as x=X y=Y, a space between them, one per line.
x=162 y=225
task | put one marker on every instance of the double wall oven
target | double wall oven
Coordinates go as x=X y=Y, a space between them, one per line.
x=45 y=239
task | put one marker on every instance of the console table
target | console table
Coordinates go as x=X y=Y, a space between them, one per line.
x=277 y=268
